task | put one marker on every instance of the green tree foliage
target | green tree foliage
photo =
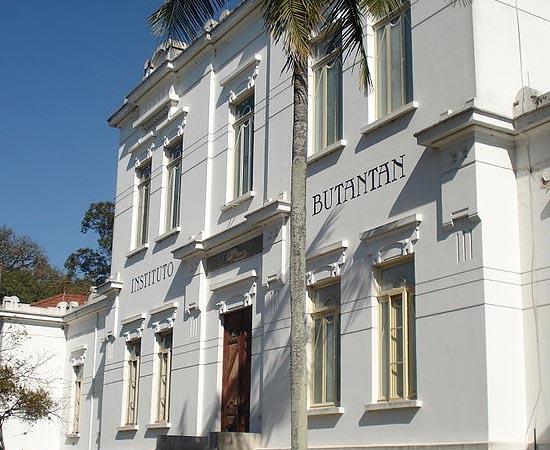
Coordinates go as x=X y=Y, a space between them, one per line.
x=94 y=265
x=26 y=272
x=25 y=393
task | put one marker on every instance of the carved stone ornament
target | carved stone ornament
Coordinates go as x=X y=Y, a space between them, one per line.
x=79 y=360
x=238 y=301
x=326 y=271
x=164 y=324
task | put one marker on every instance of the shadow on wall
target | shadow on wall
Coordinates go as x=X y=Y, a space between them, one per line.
x=388 y=130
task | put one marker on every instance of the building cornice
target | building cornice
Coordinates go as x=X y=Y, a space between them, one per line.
x=32 y=317
x=111 y=285
x=270 y=211
x=86 y=309
x=171 y=66
x=470 y=119
x=532 y=119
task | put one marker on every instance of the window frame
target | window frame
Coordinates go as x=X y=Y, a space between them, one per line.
x=164 y=360
x=132 y=392
x=319 y=69
x=240 y=155
x=78 y=377
x=173 y=185
x=406 y=84
x=321 y=314
x=143 y=175
x=408 y=345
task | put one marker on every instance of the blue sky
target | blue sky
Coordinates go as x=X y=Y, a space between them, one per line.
x=66 y=67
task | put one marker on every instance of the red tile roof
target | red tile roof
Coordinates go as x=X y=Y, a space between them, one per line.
x=54 y=300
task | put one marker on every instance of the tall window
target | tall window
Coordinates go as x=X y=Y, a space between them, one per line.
x=243 y=129
x=77 y=392
x=393 y=64
x=326 y=345
x=327 y=82
x=134 y=354
x=174 y=186
x=144 y=193
x=397 y=332
x=164 y=356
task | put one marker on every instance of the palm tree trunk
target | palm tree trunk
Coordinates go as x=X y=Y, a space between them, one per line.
x=298 y=373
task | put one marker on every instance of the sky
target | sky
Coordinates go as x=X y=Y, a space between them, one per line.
x=66 y=67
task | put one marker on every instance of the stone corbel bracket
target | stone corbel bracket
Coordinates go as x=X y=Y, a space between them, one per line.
x=251 y=69
x=326 y=263
x=394 y=239
x=471 y=216
x=79 y=355
x=237 y=292
x=166 y=316
x=134 y=326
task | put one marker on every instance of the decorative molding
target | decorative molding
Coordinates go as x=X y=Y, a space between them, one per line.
x=398 y=238
x=137 y=250
x=166 y=235
x=273 y=282
x=243 y=298
x=267 y=213
x=141 y=142
x=172 y=116
x=135 y=318
x=470 y=119
x=166 y=322
x=237 y=201
x=159 y=111
x=334 y=147
x=158 y=425
x=124 y=428
x=78 y=360
x=412 y=220
x=193 y=307
x=338 y=246
x=325 y=411
x=137 y=331
x=386 y=406
x=325 y=263
x=162 y=308
x=389 y=118
x=79 y=348
x=243 y=278
x=464 y=213
x=112 y=284
x=253 y=62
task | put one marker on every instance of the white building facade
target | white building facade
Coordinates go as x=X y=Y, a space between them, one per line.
x=428 y=251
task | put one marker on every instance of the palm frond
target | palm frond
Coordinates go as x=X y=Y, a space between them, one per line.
x=460 y=2
x=182 y=19
x=349 y=17
x=378 y=9
x=293 y=23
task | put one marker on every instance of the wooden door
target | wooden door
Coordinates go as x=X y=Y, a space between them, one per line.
x=236 y=370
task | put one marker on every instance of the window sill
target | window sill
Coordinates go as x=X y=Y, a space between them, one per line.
x=400 y=404
x=74 y=435
x=236 y=202
x=158 y=426
x=137 y=251
x=327 y=150
x=325 y=411
x=127 y=428
x=391 y=117
x=166 y=235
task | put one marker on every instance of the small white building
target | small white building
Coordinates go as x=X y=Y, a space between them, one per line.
x=428 y=250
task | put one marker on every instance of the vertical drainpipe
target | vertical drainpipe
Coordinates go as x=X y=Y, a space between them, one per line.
x=94 y=363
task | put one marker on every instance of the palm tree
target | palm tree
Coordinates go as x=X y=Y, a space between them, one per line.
x=290 y=22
